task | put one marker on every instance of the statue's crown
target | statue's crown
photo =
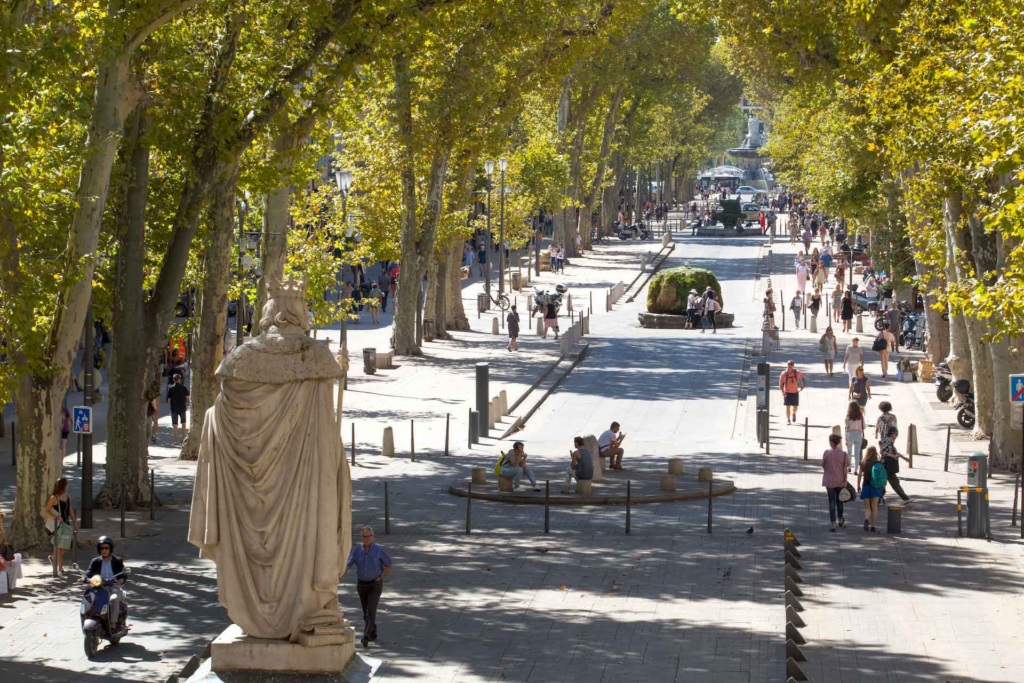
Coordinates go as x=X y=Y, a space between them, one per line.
x=289 y=288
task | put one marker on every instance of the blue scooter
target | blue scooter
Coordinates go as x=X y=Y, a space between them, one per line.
x=95 y=613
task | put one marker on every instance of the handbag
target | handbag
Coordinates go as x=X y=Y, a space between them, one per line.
x=879 y=344
x=863 y=444
x=7 y=552
x=847 y=494
x=64 y=536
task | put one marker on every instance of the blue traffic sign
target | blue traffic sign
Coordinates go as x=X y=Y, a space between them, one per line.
x=81 y=418
x=1017 y=388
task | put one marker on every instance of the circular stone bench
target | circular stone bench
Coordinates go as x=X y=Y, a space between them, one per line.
x=666 y=321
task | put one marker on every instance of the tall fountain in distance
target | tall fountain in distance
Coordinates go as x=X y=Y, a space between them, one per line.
x=748 y=155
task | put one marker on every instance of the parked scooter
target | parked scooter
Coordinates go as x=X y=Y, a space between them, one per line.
x=965 y=409
x=542 y=297
x=95 y=614
x=943 y=382
x=625 y=232
x=912 y=334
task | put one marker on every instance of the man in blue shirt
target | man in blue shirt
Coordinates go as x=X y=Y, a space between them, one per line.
x=372 y=565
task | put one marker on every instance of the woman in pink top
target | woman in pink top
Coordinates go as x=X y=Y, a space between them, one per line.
x=835 y=463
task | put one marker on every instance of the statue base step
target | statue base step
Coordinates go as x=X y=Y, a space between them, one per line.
x=326 y=653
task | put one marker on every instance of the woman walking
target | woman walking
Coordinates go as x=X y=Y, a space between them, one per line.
x=855 y=431
x=828 y=347
x=847 y=311
x=891 y=460
x=835 y=463
x=513 y=330
x=860 y=388
x=883 y=353
x=801 y=277
x=815 y=304
x=872 y=485
x=886 y=420
x=550 y=320
x=837 y=301
x=795 y=305
x=58 y=511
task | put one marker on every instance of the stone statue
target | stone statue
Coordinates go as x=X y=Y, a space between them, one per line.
x=272 y=504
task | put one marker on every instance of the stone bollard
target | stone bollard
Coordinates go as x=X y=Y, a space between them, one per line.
x=479 y=475
x=860 y=322
x=591 y=442
x=837 y=430
x=704 y=474
x=492 y=413
x=668 y=482
x=494 y=326
x=540 y=326
x=814 y=324
x=584 y=488
x=505 y=484
x=675 y=466
x=388 y=448
x=503 y=399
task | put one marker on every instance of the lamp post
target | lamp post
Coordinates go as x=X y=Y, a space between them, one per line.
x=489 y=167
x=240 y=307
x=502 y=164
x=344 y=181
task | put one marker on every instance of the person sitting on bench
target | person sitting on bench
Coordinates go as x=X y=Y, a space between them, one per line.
x=608 y=446
x=581 y=464
x=516 y=466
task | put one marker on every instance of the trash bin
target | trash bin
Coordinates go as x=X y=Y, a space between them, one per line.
x=369 y=361
x=977 y=496
x=483 y=302
x=517 y=281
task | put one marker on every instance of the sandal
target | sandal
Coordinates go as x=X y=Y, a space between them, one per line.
x=865 y=525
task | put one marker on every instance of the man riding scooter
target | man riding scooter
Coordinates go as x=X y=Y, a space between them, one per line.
x=109 y=567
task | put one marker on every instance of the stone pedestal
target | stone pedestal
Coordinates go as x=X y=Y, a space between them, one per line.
x=479 y=475
x=584 y=488
x=494 y=326
x=860 y=322
x=668 y=482
x=675 y=466
x=590 y=441
x=326 y=651
x=814 y=324
x=704 y=474
x=540 y=327
x=492 y=413
x=388 y=447
x=505 y=484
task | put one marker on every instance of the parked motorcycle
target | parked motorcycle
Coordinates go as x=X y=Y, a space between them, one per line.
x=643 y=231
x=542 y=297
x=95 y=614
x=943 y=382
x=912 y=334
x=965 y=409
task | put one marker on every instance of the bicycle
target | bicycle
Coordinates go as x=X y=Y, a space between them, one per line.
x=502 y=301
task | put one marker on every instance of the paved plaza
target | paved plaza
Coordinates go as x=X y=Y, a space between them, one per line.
x=667 y=602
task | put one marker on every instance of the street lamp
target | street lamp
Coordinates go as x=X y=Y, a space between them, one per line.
x=344 y=181
x=502 y=164
x=489 y=167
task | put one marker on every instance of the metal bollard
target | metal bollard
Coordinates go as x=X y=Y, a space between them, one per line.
x=473 y=428
x=447 y=431
x=152 y=493
x=806 y=428
x=352 y=443
x=469 y=507
x=78 y=455
x=711 y=497
x=628 y=487
x=123 y=496
x=1016 y=485
x=894 y=520
x=547 y=507
x=959 y=513
x=412 y=439
x=949 y=431
x=387 y=511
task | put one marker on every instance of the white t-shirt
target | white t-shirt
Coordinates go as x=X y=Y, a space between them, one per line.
x=605 y=440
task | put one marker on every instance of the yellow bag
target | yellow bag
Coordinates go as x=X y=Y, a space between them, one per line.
x=497 y=467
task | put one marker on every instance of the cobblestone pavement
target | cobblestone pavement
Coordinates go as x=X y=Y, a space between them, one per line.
x=669 y=601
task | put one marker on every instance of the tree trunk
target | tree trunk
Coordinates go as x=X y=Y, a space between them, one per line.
x=670 y=185
x=984 y=258
x=38 y=407
x=213 y=313
x=130 y=375
x=610 y=119
x=276 y=207
x=959 y=358
x=430 y=299
x=980 y=357
x=937 y=328
x=455 y=313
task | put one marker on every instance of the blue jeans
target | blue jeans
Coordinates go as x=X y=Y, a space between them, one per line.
x=856 y=439
x=517 y=472
x=834 y=504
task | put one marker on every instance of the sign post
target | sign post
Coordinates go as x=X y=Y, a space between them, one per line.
x=1017 y=419
x=81 y=420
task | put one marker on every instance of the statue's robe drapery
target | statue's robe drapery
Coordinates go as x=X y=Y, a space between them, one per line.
x=272 y=499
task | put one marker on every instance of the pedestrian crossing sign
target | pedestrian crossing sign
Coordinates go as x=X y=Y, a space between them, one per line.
x=81 y=419
x=1017 y=388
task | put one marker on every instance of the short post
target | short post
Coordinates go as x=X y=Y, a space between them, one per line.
x=1016 y=485
x=469 y=507
x=547 y=507
x=628 y=502
x=447 y=431
x=387 y=511
x=959 y=512
x=152 y=492
x=711 y=497
x=412 y=439
x=591 y=299
x=78 y=455
x=473 y=426
x=352 y=444
x=949 y=432
x=806 y=428
x=14 y=443
x=123 y=496
x=782 y=309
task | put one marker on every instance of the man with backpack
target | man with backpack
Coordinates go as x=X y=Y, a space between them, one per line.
x=513 y=464
x=791 y=382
